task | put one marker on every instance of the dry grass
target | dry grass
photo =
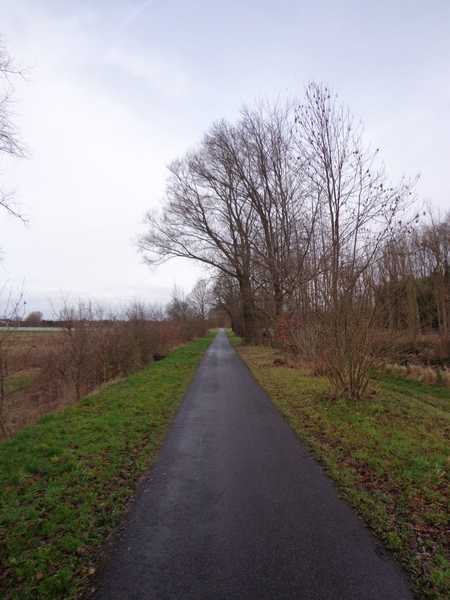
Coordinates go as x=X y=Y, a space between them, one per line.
x=425 y=375
x=24 y=356
x=47 y=371
x=26 y=350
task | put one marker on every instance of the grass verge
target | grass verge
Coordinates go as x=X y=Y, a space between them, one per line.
x=388 y=455
x=66 y=480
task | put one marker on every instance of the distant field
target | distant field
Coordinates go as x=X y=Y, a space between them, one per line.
x=32 y=329
x=24 y=349
x=24 y=354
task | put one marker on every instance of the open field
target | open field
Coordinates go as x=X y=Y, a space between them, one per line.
x=35 y=329
x=67 y=479
x=389 y=455
x=24 y=354
x=29 y=344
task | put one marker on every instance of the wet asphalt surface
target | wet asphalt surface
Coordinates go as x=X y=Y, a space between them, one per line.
x=234 y=508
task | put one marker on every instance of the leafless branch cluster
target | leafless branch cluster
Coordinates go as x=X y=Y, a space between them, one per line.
x=294 y=215
x=47 y=370
x=10 y=143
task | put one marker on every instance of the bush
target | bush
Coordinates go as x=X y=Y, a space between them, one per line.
x=52 y=370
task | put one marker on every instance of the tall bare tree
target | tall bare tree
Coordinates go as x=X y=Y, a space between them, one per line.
x=430 y=251
x=200 y=299
x=296 y=215
x=205 y=218
x=435 y=244
x=359 y=210
x=10 y=143
x=233 y=204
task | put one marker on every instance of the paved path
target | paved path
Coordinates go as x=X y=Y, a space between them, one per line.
x=234 y=509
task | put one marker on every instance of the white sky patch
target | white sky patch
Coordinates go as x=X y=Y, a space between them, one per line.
x=129 y=19
x=108 y=106
x=155 y=70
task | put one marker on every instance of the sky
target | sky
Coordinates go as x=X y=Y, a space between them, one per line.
x=116 y=90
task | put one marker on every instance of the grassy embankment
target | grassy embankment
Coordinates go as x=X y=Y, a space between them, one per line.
x=66 y=480
x=389 y=456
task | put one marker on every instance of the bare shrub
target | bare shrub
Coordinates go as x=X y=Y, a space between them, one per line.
x=8 y=362
x=299 y=336
x=44 y=372
x=182 y=313
x=91 y=352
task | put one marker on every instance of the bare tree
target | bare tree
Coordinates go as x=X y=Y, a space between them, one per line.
x=10 y=320
x=200 y=299
x=10 y=143
x=434 y=246
x=236 y=203
x=178 y=308
x=399 y=288
x=205 y=218
x=34 y=319
x=296 y=216
x=359 y=210
x=228 y=299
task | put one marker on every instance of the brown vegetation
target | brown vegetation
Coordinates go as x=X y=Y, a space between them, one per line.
x=45 y=371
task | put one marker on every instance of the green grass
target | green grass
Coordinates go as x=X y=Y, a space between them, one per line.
x=16 y=382
x=389 y=455
x=67 y=479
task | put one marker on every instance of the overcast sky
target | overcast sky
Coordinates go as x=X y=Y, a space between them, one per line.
x=118 y=89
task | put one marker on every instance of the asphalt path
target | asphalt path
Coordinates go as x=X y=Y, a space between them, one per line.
x=235 y=508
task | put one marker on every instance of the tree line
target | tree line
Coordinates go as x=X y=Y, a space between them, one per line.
x=310 y=245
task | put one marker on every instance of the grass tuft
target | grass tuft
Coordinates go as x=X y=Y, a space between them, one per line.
x=425 y=375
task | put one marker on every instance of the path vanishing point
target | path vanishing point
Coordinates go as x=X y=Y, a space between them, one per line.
x=236 y=509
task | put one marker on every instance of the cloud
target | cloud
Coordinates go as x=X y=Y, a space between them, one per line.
x=129 y=19
x=98 y=164
x=163 y=73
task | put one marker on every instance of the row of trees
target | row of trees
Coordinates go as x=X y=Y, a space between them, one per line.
x=297 y=220
x=416 y=279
